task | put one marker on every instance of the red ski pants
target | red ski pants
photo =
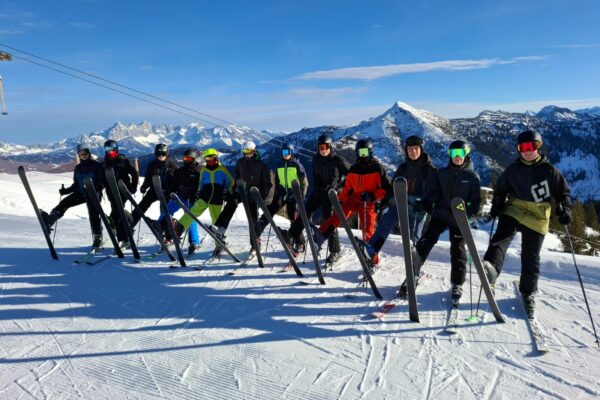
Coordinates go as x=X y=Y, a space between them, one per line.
x=366 y=216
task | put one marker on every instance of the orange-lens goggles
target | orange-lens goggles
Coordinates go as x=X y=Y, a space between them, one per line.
x=324 y=146
x=189 y=159
x=528 y=146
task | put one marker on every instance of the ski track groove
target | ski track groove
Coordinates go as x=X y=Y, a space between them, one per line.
x=361 y=386
x=156 y=385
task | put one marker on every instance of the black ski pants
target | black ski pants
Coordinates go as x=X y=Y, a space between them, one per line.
x=458 y=252
x=229 y=210
x=75 y=199
x=116 y=218
x=313 y=203
x=276 y=205
x=531 y=245
x=145 y=203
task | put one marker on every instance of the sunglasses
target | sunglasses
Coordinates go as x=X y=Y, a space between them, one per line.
x=457 y=153
x=189 y=158
x=324 y=146
x=363 y=152
x=528 y=146
x=247 y=151
x=286 y=152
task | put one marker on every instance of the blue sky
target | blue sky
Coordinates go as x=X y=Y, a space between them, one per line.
x=284 y=65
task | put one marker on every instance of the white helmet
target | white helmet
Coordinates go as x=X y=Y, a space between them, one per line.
x=248 y=145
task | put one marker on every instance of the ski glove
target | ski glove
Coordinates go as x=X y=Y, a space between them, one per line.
x=564 y=215
x=367 y=196
x=143 y=189
x=63 y=190
x=133 y=190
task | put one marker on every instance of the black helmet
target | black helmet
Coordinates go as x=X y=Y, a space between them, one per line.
x=364 y=144
x=111 y=145
x=190 y=153
x=325 y=139
x=529 y=136
x=459 y=144
x=413 y=140
x=83 y=147
x=161 y=149
x=287 y=149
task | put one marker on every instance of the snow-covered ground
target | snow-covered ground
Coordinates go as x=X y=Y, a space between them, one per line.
x=126 y=330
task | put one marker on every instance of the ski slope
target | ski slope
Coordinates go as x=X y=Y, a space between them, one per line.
x=121 y=330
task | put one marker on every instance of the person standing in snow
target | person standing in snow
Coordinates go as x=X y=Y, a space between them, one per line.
x=457 y=179
x=329 y=171
x=521 y=203
x=419 y=171
x=88 y=167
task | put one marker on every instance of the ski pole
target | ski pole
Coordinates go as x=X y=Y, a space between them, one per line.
x=581 y=283
x=481 y=287
x=304 y=260
x=472 y=317
x=267 y=245
x=56 y=223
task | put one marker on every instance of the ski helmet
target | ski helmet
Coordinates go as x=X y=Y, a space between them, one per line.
x=529 y=136
x=210 y=153
x=413 y=140
x=364 y=148
x=190 y=155
x=161 y=149
x=325 y=139
x=111 y=148
x=81 y=147
x=287 y=149
x=458 y=148
x=248 y=147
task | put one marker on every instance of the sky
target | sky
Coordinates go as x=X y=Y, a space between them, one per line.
x=284 y=65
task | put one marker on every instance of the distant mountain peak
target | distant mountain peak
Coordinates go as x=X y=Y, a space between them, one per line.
x=557 y=113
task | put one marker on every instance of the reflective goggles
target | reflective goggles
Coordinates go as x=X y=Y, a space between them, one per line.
x=110 y=148
x=457 y=153
x=363 y=152
x=189 y=159
x=528 y=146
x=211 y=157
x=160 y=154
x=286 y=152
x=248 y=151
x=324 y=146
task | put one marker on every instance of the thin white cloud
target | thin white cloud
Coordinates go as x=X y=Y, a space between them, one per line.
x=573 y=46
x=377 y=72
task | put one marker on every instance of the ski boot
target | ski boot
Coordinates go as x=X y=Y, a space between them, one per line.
x=529 y=303
x=98 y=243
x=332 y=259
x=124 y=244
x=492 y=275
x=193 y=248
x=456 y=294
x=403 y=291
x=49 y=219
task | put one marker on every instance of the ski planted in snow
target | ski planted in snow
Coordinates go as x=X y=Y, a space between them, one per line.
x=114 y=190
x=157 y=234
x=92 y=196
x=390 y=304
x=23 y=177
x=340 y=213
x=261 y=203
x=460 y=215
x=401 y=198
x=304 y=216
x=539 y=337
x=165 y=212
x=216 y=238
x=241 y=188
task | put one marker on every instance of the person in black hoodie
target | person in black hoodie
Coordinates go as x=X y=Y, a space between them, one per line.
x=124 y=171
x=329 y=171
x=163 y=166
x=88 y=167
x=521 y=203
x=418 y=170
x=289 y=169
x=457 y=179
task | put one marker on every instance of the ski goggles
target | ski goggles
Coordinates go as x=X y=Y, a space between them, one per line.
x=160 y=154
x=286 y=152
x=457 y=153
x=210 y=157
x=364 y=152
x=189 y=159
x=248 y=151
x=324 y=146
x=111 y=148
x=528 y=146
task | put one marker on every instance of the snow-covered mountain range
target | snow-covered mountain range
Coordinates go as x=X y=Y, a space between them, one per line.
x=572 y=140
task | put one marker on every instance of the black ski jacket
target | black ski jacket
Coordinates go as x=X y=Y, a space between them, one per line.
x=328 y=173
x=186 y=180
x=165 y=169
x=254 y=172
x=418 y=173
x=454 y=181
x=87 y=169
x=123 y=170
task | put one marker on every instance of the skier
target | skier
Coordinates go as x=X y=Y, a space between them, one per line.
x=418 y=170
x=162 y=165
x=88 y=167
x=289 y=169
x=213 y=180
x=521 y=203
x=329 y=171
x=366 y=184
x=457 y=179
x=124 y=171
